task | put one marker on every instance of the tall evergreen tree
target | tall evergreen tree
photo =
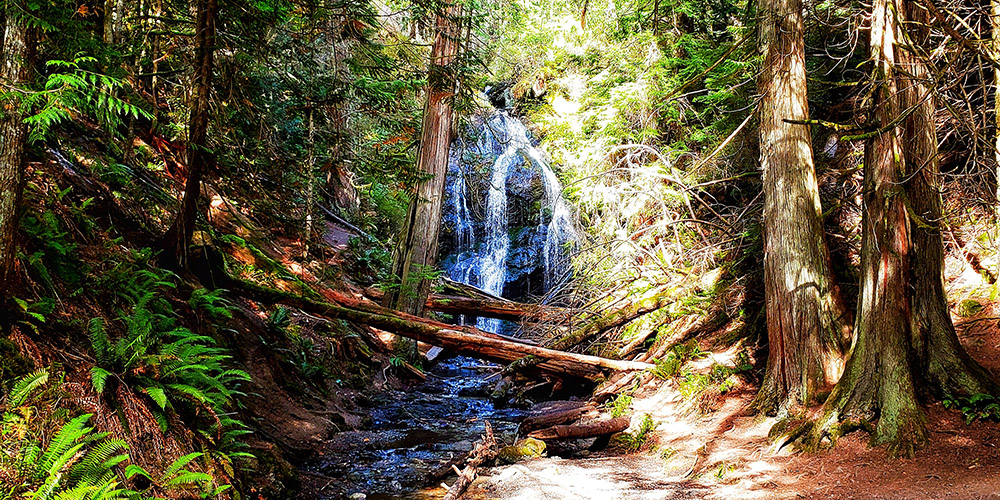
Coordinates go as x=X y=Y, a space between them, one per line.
x=416 y=251
x=904 y=336
x=808 y=326
x=178 y=238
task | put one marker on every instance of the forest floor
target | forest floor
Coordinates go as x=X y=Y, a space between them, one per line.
x=711 y=448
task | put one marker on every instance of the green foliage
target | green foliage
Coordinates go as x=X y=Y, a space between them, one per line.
x=640 y=438
x=368 y=262
x=57 y=255
x=671 y=365
x=278 y=320
x=178 y=369
x=73 y=86
x=177 y=477
x=71 y=462
x=212 y=302
x=620 y=405
x=976 y=407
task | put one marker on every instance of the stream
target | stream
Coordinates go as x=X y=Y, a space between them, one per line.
x=415 y=435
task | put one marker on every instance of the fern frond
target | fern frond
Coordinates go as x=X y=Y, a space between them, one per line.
x=25 y=386
x=158 y=396
x=100 y=342
x=180 y=463
x=57 y=454
x=98 y=377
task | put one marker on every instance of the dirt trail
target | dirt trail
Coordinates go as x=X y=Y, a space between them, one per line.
x=716 y=451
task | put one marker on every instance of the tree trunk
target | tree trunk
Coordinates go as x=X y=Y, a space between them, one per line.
x=941 y=360
x=808 y=326
x=178 y=238
x=310 y=186
x=878 y=380
x=416 y=252
x=995 y=29
x=18 y=54
x=488 y=308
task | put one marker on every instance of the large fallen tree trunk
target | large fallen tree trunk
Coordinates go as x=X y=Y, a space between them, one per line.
x=580 y=431
x=615 y=319
x=487 y=307
x=462 y=340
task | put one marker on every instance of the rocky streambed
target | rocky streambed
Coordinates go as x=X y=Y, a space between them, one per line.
x=415 y=436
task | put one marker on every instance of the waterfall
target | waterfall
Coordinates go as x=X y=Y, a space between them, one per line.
x=503 y=143
x=559 y=231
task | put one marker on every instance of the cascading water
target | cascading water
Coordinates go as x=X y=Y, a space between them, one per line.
x=558 y=232
x=504 y=144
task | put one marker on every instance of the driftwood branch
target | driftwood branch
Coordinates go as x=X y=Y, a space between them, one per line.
x=484 y=451
x=555 y=413
x=580 y=431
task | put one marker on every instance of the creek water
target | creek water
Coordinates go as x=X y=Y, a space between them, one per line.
x=415 y=435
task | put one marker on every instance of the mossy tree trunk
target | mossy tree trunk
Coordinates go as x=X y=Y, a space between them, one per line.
x=17 y=54
x=416 y=251
x=878 y=380
x=904 y=333
x=942 y=362
x=808 y=325
x=178 y=238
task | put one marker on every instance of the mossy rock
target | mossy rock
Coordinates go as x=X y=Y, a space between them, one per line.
x=523 y=449
x=969 y=307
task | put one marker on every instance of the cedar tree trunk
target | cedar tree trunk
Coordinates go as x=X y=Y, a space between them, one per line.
x=878 y=379
x=18 y=51
x=808 y=326
x=943 y=364
x=416 y=251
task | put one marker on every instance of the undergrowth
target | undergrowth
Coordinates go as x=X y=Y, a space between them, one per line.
x=48 y=454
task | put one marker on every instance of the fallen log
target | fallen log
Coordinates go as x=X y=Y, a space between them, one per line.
x=462 y=340
x=465 y=290
x=555 y=413
x=580 y=431
x=485 y=450
x=487 y=307
x=617 y=318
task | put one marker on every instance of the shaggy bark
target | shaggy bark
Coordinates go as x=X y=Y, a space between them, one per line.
x=416 y=252
x=808 y=326
x=18 y=53
x=942 y=362
x=878 y=381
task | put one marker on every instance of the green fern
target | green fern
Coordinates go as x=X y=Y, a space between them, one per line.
x=71 y=88
x=25 y=387
x=212 y=302
x=179 y=370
